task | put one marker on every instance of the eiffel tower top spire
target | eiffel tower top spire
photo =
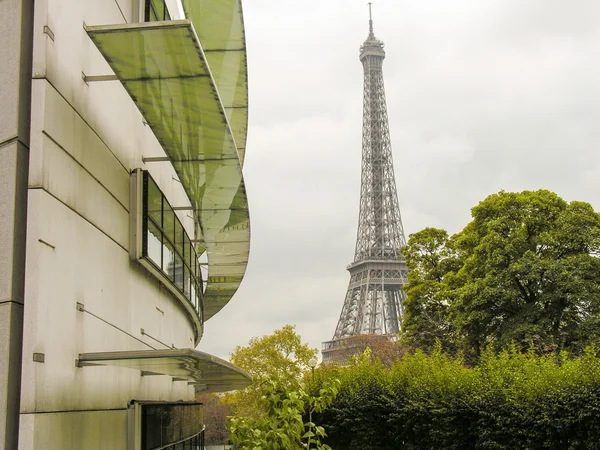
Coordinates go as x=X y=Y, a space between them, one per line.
x=370 y=21
x=372 y=46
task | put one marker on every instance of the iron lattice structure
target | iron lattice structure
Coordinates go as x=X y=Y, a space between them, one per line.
x=373 y=303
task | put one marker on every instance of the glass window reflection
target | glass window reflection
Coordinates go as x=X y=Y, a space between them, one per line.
x=168 y=423
x=154 y=244
x=167 y=244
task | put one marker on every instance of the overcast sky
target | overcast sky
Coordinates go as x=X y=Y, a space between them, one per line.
x=482 y=95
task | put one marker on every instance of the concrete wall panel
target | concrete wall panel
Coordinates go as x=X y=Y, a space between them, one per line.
x=84 y=194
x=11 y=321
x=57 y=120
x=89 y=430
x=76 y=262
x=15 y=72
x=13 y=204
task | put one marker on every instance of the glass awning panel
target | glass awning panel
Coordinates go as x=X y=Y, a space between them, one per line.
x=165 y=71
x=220 y=28
x=216 y=374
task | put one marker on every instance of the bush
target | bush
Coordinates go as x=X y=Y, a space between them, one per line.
x=509 y=401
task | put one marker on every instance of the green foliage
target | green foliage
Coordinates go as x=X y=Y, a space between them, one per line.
x=283 y=427
x=280 y=356
x=524 y=270
x=271 y=413
x=430 y=256
x=511 y=400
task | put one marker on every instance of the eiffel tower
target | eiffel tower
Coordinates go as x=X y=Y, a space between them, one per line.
x=373 y=304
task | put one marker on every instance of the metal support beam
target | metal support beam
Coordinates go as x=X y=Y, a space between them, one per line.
x=147 y=159
x=94 y=78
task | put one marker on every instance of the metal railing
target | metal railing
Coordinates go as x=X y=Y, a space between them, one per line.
x=195 y=442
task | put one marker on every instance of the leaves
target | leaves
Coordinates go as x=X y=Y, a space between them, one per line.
x=282 y=427
x=279 y=356
x=510 y=400
x=269 y=414
x=524 y=270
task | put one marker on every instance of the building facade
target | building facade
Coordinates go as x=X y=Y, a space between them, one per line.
x=124 y=216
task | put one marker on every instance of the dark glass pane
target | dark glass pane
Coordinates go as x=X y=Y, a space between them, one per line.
x=152 y=418
x=154 y=201
x=164 y=424
x=154 y=245
x=156 y=10
x=187 y=251
x=168 y=223
x=158 y=7
x=194 y=265
x=179 y=236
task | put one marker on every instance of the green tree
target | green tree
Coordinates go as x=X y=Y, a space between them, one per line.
x=282 y=427
x=281 y=357
x=430 y=256
x=524 y=270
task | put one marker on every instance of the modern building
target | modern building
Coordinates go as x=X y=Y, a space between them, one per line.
x=124 y=217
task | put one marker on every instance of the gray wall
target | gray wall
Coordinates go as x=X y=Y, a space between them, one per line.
x=16 y=19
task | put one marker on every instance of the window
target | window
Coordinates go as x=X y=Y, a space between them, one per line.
x=156 y=10
x=163 y=245
x=172 y=426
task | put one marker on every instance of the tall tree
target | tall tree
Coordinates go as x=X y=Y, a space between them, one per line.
x=214 y=412
x=431 y=258
x=280 y=356
x=524 y=270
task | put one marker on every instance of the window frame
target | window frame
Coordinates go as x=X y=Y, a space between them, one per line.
x=190 y=433
x=173 y=277
x=150 y=7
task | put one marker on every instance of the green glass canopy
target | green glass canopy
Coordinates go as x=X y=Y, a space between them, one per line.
x=165 y=70
x=199 y=368
x=220 y=28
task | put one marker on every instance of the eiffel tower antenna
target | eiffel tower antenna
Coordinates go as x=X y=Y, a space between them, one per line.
x=373 y=303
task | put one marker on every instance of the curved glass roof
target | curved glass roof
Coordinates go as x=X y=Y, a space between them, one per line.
x=165 y=70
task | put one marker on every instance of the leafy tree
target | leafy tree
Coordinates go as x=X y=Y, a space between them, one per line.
x=270 y=413
x=283 y=427
x=524 y=270
x=281 y=357
x=430 y=256
x=214 y=412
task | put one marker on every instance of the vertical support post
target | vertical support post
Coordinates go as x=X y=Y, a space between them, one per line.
x=16 y=46
x=134 y=426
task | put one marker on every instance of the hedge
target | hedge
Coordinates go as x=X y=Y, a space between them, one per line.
x=508 y=401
